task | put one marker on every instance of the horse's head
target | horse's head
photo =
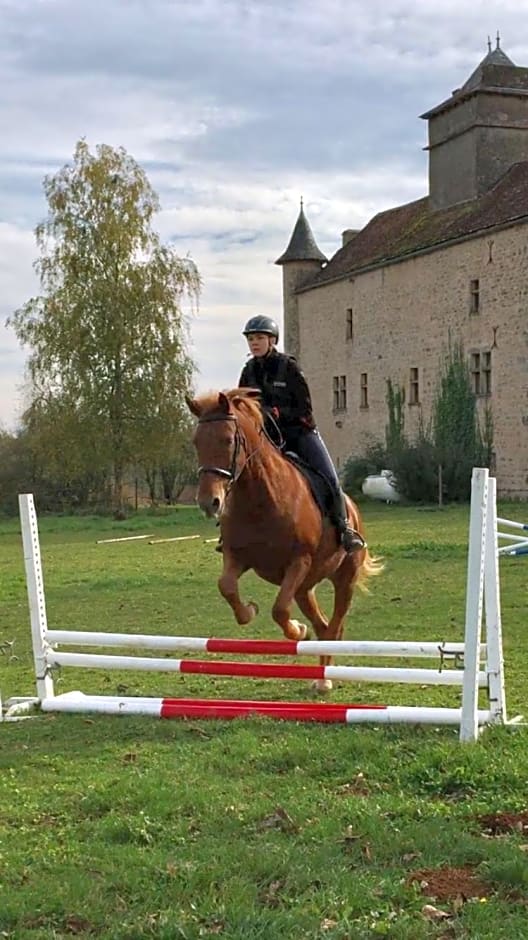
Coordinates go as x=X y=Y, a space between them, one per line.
x=221 y=441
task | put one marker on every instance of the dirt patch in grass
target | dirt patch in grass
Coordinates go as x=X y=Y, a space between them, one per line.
x=356 y=787
x=500 y=823
x=449 y=884
x=70 y=925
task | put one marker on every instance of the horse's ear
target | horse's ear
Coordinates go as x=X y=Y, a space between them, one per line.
x=193 y=406
x=223 y=402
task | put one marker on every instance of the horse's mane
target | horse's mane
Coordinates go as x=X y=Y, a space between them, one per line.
x=241 y=400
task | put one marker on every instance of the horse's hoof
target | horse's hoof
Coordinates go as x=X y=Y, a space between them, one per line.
x=254 y=608
x=301 y=627
x=323 y=686
x=250 y=612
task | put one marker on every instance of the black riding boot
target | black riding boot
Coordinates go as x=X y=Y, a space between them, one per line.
x=351 y=540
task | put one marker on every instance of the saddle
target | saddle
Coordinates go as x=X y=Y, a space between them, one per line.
x=320 y=488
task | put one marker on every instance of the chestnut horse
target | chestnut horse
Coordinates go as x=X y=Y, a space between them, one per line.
x=269 y=520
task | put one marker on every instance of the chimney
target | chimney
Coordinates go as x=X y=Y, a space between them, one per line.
x=349 y=234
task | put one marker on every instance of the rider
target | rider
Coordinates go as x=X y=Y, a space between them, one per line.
x=285 y=394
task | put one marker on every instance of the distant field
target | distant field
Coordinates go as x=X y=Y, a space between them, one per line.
x=133 y=828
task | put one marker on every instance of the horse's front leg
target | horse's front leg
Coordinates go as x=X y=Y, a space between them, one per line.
x=228 y=587
x=294 y=577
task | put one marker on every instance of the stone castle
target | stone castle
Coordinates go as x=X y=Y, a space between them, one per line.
x=453 y=264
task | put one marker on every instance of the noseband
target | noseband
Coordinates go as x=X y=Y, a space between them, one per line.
x=230 y=474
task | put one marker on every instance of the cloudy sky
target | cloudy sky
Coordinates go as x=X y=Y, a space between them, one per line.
x=235 y=108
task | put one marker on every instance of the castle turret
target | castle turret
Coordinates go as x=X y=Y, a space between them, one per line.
x=300 y=262
x=478 y=133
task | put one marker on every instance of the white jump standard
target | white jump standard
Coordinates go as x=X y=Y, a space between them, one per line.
x=482 y=659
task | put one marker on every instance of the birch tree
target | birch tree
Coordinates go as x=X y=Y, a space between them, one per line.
x=107 y=332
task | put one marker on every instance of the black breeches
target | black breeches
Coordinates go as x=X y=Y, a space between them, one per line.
x=311 y=448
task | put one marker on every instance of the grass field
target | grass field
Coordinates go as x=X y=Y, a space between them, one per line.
x=132 y=828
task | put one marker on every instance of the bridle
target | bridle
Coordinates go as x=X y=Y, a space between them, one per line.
x=240 y=442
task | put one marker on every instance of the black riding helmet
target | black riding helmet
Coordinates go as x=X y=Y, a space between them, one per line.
x=261 y=324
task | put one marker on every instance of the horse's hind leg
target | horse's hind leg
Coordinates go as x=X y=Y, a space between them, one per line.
x=294 y=577
x=307 y=603
x=228 y=587
x=343 y=580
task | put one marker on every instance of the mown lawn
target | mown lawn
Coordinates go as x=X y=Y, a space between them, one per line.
x=133 y=828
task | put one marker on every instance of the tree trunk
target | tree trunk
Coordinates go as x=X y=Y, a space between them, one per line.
x=151 y=478
x=118 y=501
x=168 y=478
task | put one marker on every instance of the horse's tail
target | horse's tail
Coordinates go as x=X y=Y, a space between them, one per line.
x=371 y=566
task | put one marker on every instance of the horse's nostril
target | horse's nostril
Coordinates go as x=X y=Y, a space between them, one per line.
x=216 y=503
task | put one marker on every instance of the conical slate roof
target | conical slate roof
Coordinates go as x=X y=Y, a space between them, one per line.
x=481 y=77
x=494 y=57
x=302 y=246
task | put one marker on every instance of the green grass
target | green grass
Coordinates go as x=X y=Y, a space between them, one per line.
x=134 y=828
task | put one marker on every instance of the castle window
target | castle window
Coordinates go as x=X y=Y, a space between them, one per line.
x=480 y=372
x=414 y=387
x=349 y=330
x=363 y=389
x=474 y=296
x=340 y=393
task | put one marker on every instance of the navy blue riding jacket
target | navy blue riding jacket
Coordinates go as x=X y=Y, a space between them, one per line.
x=283 y=388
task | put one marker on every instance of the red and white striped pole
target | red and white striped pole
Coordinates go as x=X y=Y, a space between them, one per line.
x=77 y=702
x=264 y=670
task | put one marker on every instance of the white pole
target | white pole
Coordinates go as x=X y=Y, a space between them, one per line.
x=411 y=714
x=78 y=702
x=474 y=600
x=492 y=607
x=514 y=538
x=514 y=525
x=35 y=590
x=125 y=538
x=513 y=551
x=100 y=661
x=177 y=538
